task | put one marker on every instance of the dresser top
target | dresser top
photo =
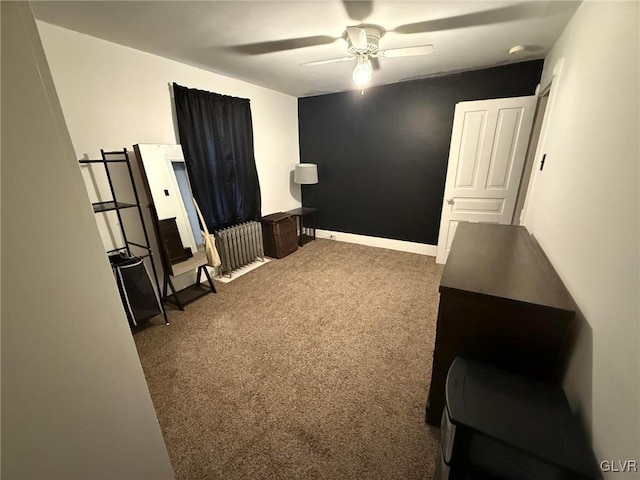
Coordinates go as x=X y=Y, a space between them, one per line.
x=503 y=261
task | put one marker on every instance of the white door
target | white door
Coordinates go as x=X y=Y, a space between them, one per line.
x=488 y=146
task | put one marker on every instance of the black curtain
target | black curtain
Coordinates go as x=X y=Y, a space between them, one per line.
x=216 y=134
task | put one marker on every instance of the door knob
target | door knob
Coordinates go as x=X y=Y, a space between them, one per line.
x=450 y=201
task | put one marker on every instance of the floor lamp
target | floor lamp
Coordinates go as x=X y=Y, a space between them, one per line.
x=305 y=174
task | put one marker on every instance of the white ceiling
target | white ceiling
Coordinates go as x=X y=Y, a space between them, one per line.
x=240 y=38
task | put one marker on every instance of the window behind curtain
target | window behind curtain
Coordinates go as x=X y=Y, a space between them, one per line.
x=216 y=134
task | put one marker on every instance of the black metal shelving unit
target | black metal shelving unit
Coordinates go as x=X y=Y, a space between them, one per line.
x=122 y=157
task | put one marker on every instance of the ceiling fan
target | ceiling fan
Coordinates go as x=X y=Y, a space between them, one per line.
x=363 y=45
x=363 y=39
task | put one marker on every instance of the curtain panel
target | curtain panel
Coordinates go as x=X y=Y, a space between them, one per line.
x=216 y=134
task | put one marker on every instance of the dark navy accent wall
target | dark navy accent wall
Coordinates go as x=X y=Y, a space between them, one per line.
x=382 y=157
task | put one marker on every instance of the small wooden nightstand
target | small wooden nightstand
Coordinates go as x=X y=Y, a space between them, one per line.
x=300 y=213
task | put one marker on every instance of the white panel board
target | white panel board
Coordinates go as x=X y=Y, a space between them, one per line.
x=470 y=148
x=504 y=143
x=478 y=205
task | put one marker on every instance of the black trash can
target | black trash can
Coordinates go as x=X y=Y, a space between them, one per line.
x=136 y=289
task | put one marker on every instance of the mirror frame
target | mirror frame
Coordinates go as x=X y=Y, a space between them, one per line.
x=173 y=153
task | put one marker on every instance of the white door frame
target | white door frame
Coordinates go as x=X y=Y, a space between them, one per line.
x=551 y=88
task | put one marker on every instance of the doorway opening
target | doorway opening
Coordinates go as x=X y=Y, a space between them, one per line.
x=532 y=149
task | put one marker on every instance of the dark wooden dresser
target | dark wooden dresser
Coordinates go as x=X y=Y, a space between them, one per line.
x=502 y=304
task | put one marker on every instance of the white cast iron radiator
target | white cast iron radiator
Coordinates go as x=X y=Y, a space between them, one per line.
x=238 y=246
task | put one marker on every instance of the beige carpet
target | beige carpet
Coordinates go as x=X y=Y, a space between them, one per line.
x=316 y=365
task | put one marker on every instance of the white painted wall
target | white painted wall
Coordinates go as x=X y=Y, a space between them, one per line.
x=75 y=403
x=114 y=96
x=584 y=211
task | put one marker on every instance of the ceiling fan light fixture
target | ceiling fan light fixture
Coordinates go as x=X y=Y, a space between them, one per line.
x=363 y=72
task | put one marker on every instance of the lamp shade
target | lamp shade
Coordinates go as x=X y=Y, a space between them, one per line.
x=306 y=173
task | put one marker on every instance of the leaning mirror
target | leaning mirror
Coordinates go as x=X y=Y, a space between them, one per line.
x=167 y=184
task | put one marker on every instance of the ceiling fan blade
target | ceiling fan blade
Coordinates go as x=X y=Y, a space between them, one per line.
x=488 y=17
x=406 y=52
x=375 y=63
x=325 y=62
x=358 y=37
x=280 y=45
x=358 y=10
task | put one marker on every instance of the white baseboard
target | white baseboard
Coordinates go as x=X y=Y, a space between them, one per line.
x=242 y=270
x=189 y=278
x=400 y=245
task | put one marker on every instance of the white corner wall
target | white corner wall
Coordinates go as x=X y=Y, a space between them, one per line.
x=584 y=211
x=75 y=403
x=114 y=96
